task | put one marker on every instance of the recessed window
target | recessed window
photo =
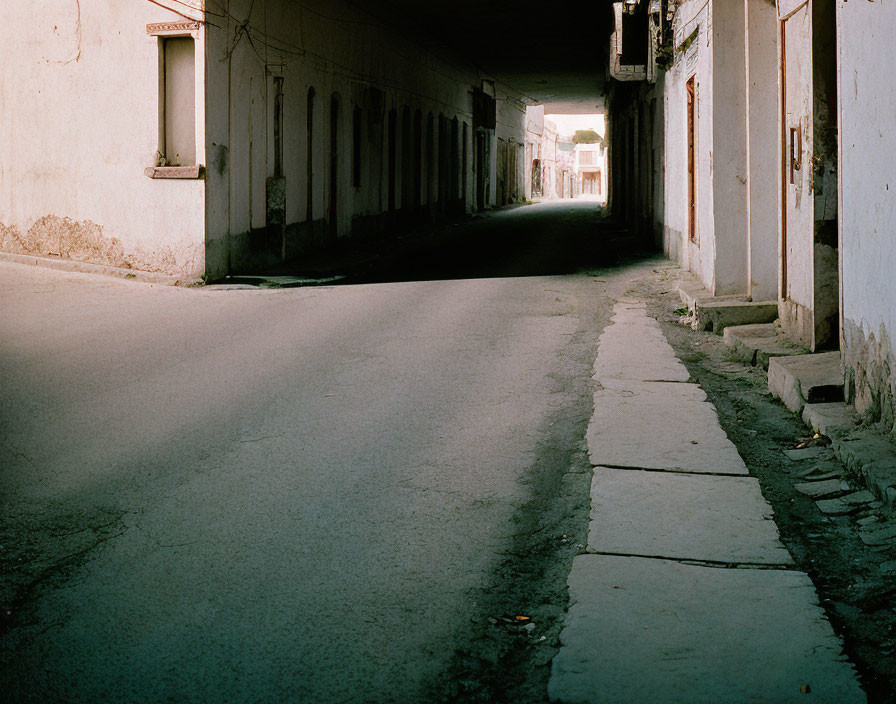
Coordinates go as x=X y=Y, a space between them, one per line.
x=177 y=102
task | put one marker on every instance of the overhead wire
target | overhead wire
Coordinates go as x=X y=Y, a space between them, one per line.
x=182 y=14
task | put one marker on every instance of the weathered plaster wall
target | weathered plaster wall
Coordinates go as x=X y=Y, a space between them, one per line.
x=709 y=40
x=763 y=144
x=693 y=46
x=79 y=92
x=335 y=49
x=867 y=98
x=728 y=157
x=511 y=127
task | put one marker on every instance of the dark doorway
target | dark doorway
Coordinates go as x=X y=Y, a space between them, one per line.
x=357 y=143
x=464 y=165
x=431 y=173
x=275 y=186
x=418 y=161
x=455 y=166
x=444 y=166
x=393 y=149
x=692 y=166
x=407 y=164
x=481 y=170
x=334 y=167
x=309 y=159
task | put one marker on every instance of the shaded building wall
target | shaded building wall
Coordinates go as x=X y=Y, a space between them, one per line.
x=377 y=100
x=634 y=164
x=705 y=220
x=80 y=90
x=867 y=108
x=510 y=131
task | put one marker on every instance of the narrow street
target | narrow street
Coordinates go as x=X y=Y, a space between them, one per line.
x=336 y=494
x=361 y=351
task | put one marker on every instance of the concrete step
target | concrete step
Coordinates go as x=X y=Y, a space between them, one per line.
x=806 y=378
x=756 y=344
x=717 y=313
x=692 y=292
x=723 y=312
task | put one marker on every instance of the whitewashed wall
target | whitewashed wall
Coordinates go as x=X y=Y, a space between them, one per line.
x=867 y=96
x=695 y=61
x=716 y=58
x=763 y=145
x=79 y=91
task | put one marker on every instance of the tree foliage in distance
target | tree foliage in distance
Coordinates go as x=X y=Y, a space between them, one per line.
x=587 y=137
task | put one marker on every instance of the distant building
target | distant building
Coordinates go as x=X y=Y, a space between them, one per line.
x=591 y=169
x=552 y=186
x=566 y=161
x=532 y=158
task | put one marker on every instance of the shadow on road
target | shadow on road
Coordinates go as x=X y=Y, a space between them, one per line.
x=544 y=239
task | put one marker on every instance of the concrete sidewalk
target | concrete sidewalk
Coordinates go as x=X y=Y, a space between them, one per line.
x=686 y=593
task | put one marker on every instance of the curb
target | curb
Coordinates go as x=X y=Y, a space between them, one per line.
x=870 y=457
x=71 y=265
x=867 y=454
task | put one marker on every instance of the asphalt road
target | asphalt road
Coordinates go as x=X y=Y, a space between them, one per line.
x=342 y=494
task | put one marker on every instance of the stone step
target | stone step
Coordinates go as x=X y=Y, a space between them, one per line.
x=692 y=292
x=826 y=418
x=722 y=312
x=806 y=378
x=755 y=344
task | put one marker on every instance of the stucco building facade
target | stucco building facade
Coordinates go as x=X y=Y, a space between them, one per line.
x=775 y=122
x=200 y=138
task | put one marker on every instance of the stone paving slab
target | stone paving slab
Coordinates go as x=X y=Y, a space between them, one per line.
x=845 y=504
x=659 y=631
x=652 y=359
x=658 y=425
x=810 y=453
x=683 y=516
x=823 y=488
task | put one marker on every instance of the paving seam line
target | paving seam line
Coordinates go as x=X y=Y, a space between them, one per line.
x=660 y=470
x=719 y=564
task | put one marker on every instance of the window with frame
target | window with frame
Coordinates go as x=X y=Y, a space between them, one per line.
x=177 y=101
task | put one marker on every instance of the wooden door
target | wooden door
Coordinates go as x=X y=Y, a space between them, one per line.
x=797 y=247
x=692 y=160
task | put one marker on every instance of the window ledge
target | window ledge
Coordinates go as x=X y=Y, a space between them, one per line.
x=189 y=172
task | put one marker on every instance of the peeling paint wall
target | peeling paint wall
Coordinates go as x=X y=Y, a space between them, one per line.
x=85 y=241
x=80 y=96
x=867 y=105
x=870 y=362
